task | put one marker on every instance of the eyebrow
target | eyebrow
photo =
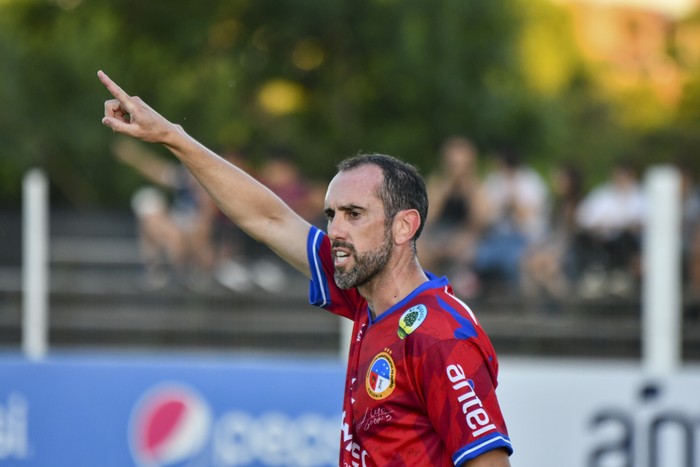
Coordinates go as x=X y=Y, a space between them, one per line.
x=347 y=207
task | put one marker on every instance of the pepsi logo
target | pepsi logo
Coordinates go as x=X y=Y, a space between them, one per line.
x=169 y=425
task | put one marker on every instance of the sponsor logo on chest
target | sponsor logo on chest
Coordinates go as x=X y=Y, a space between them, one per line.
x=474 y=414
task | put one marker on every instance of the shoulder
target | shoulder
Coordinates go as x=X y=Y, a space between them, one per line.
x=438 y=316
x=441 y=323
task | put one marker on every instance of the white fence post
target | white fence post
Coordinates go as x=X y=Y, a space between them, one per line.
x=661 y=306
x=345 y=336
x=35 y=265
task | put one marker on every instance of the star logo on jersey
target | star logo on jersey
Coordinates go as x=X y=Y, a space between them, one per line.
x=411 y=319
x=381 y=376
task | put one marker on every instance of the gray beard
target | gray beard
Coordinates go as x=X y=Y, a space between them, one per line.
x=367 y=265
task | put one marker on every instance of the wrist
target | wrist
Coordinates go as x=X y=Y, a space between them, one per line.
x=174 y=137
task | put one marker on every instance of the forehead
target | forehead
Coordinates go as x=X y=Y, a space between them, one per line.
x=358 y=186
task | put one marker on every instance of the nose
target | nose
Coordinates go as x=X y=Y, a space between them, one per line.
x=336 y=228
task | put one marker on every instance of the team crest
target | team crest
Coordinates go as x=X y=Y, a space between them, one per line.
x=381 y=376
x=411 y=319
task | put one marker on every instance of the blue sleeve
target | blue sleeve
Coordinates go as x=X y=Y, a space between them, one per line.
x=319 y=293
x=482 y=446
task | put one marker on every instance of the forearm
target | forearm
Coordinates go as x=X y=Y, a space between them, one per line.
x=249 y=204
x=155 y=171
x=147 y=164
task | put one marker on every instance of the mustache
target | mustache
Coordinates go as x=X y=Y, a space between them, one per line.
x=341 y=244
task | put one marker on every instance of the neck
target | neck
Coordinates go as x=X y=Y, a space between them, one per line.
x=393 y=284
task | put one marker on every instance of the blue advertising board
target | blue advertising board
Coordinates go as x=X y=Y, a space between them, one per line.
x=78 y=410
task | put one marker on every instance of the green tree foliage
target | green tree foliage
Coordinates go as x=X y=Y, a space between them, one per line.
x=326 y=79
x=369 y=75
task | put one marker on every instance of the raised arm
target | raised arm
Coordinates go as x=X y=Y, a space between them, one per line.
x=147 y=164
x=248 y=203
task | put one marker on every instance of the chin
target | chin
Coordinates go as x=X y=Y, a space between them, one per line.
x=344 y=282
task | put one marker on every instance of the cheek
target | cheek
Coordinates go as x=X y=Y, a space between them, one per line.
x=369 y=235
x=377 y=238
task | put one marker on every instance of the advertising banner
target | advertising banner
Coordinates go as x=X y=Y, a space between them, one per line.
x=577 y=413
x=104 y=411
x=79 y=411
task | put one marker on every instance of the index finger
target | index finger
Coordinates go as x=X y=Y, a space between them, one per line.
x=116 y=91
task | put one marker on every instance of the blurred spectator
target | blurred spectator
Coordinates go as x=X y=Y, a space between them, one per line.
x=175 y=235
x=233 y=246
x=611 y=218
x=255 y=265
x=550 y=265
x=456 y=215
x=516 y=201
x=690 y=194
x=283 y=177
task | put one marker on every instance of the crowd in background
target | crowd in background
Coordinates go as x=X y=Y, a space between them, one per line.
x=509 y=229
x=495 y=225
x=185 y=240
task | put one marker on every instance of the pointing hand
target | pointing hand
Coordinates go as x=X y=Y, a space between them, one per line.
x=129 y=115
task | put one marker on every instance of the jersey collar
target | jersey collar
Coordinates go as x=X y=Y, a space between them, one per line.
x=434 y=282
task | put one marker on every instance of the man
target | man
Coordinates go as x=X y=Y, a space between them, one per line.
x=420 y=387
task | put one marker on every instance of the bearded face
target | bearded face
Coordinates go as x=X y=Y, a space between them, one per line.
x=366 y=266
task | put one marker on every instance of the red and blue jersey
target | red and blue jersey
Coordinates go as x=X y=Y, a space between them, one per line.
x=421 y=381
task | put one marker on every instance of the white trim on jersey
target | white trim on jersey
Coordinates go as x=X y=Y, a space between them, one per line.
x=479 y=446
x=466 y=307
x=317 y=267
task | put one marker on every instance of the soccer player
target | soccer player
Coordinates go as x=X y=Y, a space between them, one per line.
x=422 y=374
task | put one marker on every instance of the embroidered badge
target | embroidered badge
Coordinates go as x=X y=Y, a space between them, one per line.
x=411 y=319
x=381 y=376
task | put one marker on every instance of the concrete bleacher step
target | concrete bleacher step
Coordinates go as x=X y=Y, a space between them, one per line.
x=94 y=251
x=97 y=299
x=194 y=321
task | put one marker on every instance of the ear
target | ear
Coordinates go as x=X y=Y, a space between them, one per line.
x=406 y=224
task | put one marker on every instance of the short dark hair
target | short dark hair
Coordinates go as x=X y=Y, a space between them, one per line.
x=403 y=186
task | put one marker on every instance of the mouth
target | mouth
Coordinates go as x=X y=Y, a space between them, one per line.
x=340 y=257
x=342 y=254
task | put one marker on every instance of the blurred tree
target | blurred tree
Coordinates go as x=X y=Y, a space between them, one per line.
x=324 y=79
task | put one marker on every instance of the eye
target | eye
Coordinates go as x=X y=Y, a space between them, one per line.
x=354 y=214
